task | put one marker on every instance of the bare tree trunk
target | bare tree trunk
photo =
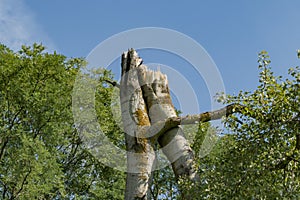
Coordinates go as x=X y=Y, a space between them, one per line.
x=148 y=117
x=140 y=156
x=145 y=97
x=160 y=107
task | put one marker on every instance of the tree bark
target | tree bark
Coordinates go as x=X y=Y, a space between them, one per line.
x=160 y=107
x=140 y=153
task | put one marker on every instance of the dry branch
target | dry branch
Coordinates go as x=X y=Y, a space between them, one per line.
x=160 y=127
x=113 y=83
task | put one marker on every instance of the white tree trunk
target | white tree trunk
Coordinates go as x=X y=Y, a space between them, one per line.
x=140 y=153
x=160 y=107
x=145 y=98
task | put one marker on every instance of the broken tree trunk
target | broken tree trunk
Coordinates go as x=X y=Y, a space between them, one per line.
x=160 y=107
x=140 y=153
x=145 y=97
x=149 y=117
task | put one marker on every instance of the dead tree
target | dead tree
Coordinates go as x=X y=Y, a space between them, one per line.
x=140 y=153
x=149 y=117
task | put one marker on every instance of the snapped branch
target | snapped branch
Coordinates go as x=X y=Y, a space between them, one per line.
x=160 y=127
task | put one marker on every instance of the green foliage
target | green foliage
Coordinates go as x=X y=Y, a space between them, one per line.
x=41 y=153
x=164 y=184
x=260 y=157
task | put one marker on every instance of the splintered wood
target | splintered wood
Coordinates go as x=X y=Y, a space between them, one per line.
x=140 y=153
x=145 y=103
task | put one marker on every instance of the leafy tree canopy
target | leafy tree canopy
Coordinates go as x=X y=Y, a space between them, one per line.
x=41 y=153
x=259 y=158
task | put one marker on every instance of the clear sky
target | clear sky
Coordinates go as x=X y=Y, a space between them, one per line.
x=232 y=31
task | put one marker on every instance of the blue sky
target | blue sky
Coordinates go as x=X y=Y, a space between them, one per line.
x=232 y=31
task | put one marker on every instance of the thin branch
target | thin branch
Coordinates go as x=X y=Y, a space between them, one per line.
x=23 y=183
x=12 y=122
x=113 y=83
x=298 y=141
x=5 y=142
x=4 y=191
